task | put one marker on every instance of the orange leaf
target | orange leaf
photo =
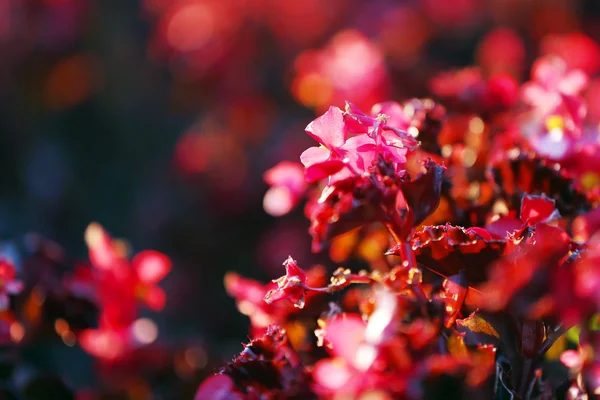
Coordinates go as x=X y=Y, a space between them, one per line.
x=477 y=324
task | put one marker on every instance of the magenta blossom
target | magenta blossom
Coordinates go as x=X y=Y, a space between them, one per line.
x=291 y=286
x=351 y=143
x=9 y=285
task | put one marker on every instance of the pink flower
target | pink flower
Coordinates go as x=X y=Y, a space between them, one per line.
x=342 y=156
x=287 y=188
x=118 y=286
x=151 y=267
x=349 y=66
x=388 y=122
x=8 y=284
x=291 y=286
x=343 y=336
x=331 y=133
x=249 y=297
x=105 y=343
x=552 y=82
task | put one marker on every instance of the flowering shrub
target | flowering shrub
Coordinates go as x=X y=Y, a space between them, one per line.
x=94 y=305
x=490 y=258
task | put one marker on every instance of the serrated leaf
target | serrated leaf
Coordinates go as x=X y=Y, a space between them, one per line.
x=477 y=324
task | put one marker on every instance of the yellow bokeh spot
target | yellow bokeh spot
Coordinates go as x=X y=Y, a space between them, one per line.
x=476 y=125
x=590 y=180
x=94 y=235
x=555 y=122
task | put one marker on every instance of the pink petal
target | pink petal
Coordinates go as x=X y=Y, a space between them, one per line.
x=356 y=120
x=532 y=93
x=344 y=333
x=293 y=270
x=218 y=387
x=398 y=138
x=548 y=71
x=345 y=173
x=103 y=343
x=156 y=298
x=244 y=289
x=329 y=128
x=361 y=152
x=394 y=112
x=571 y=359
x=288 y=174
x=322 y=170
x=573 y=82
x=332 y=374
x=278 y=201
x=151 y=266
x=314 y=155
x=14 y=287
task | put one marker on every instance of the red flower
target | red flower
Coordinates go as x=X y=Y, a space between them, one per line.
x=287 y=188
x=551 y=82
x=9 y=285
x=105 y=343
x=119 y=286
x=291 y=286
x=150 y=267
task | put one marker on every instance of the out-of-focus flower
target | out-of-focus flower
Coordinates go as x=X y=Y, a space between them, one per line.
x=501 y=51
x=467 y=90
x=460 y=14
x=215 y=153
x=119 y=285
x=403 y=35
x=9 y=285
x=151 y=267
x=349 y=67
x=553 y=83
x=105 y=343
x=578 y=50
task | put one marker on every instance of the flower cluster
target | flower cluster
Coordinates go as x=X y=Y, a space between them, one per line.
x=491 y=253
x=118 y=285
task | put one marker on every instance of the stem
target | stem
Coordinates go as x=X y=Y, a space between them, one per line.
x=330 y=289
x=551 y=339
x=407 y=254
x=526 y=377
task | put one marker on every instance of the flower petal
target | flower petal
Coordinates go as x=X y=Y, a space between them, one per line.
x=536 y=209
x=156 y=298
x=322 y=170
x=329 y=128
x=14 y=287
x=314 y=155
x=103 y=343
x=218 y=387
x=151 y=266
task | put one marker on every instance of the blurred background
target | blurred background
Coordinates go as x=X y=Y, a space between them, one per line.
x=158 y=118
